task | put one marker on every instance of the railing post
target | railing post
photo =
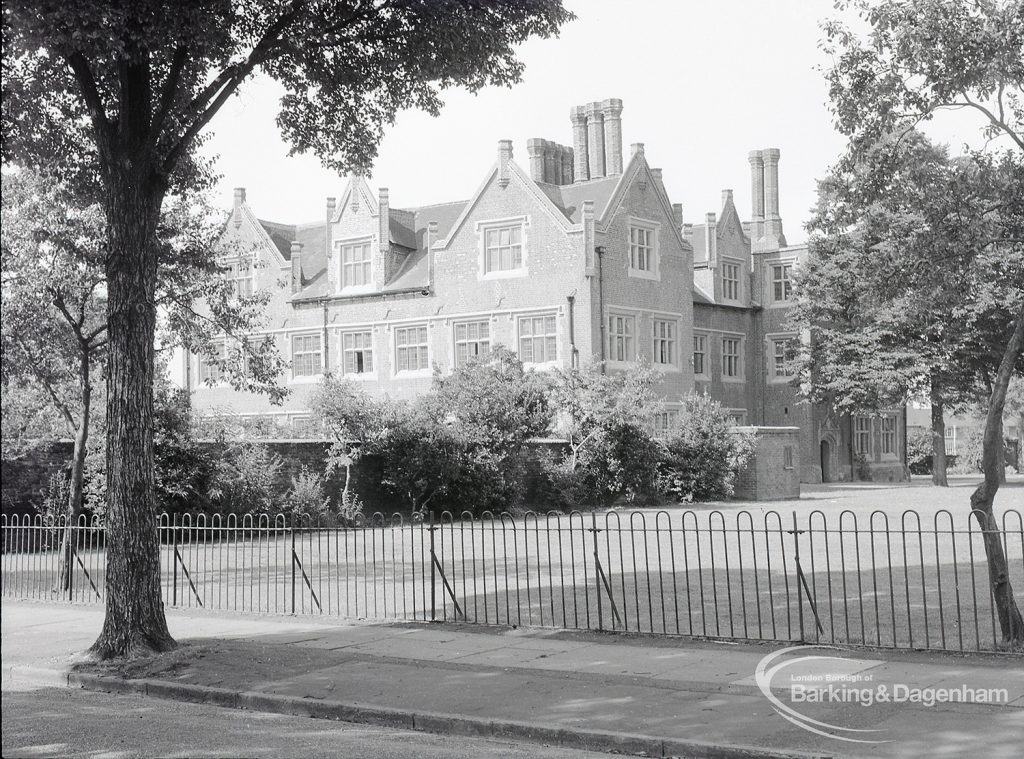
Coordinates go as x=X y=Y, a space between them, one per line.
x=292 y=523
x=174 y=559
x=433 y=570
x=597 y=571
x=799 y=579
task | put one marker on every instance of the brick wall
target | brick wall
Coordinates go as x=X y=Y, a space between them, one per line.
x=26 y=478
x=770 y=475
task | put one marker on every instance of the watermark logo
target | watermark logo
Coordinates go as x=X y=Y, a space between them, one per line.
x=808 y=679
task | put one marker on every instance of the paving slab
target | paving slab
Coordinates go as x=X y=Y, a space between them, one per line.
x=653 y=695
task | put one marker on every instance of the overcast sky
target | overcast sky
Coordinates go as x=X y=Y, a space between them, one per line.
x=702 y=83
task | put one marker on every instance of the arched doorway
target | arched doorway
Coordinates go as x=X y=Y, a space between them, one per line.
x=826 y=461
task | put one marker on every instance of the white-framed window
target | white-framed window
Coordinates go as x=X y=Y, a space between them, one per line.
x=888 y=435
x=503 y=247
x=951 y=441
x=356 y=264
x=730 y=281
x=862 y=435
x=307 y=355
x=732 y=358
x=472 y=340
x=782 y=282
x=411 y=348
x=779 y=368
x=621 y=337
x=700 y=355
x=255 y=344
x=538 y=339
x=643 y=249
x=665 y=342
x=210 y=370
x=357 y=352
x=239 y=274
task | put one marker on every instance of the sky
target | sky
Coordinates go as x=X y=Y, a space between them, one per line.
x=702 y=84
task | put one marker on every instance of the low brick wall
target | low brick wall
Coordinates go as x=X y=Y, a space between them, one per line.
x=772 y=474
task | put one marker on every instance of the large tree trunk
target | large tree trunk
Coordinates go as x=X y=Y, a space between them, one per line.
x=938 y=437
x=74 y=506
x=134 y=623
x=1010 y=623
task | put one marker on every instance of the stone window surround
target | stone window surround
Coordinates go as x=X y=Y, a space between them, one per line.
x=772 y=338
x=483 y=226
x=739 y=278
x=654 y=227
x=315 y=377
x=741 y=364
x=705 y=374
x=770 y=282
x=673 y=365
x=340 y=246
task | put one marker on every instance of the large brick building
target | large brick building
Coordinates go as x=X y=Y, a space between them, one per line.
x=581 y=257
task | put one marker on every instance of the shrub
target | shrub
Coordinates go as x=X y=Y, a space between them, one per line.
x=919 y=451
x=704 y=453
x=606 y=420
x=244 y=479
x=306 y=499
x=969 y=452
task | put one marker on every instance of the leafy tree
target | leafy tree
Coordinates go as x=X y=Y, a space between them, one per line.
x=117 y=96
x=606 y=420
x=704 y=453
x=55 y=319
x=919 y=58
x=352 y=418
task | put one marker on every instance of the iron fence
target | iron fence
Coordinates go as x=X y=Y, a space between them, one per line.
x=878 y=579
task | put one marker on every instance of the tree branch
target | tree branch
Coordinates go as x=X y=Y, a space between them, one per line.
x=97 y=113
x=215 y=94
x=167 y=95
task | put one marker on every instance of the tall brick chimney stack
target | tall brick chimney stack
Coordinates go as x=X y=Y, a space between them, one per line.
x=535 y=151
x=581 y=165
x=595 y=140
x=551 y=171
x=756 y=195
x=711 y=240
x=772 y=220
x=568 y=155
x=612 y=112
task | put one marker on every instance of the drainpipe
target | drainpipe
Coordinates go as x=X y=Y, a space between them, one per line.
x=326 y=341
x=573 y=353
x=600 y=299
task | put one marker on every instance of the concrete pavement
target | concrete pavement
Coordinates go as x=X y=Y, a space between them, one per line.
x=658 y=696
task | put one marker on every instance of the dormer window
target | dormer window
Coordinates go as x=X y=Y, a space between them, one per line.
x=356 y=264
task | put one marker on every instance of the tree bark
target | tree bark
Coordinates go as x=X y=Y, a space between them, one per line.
x=938 y=437
x=74 y=506
x=134 y=623
x=1010 y=623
